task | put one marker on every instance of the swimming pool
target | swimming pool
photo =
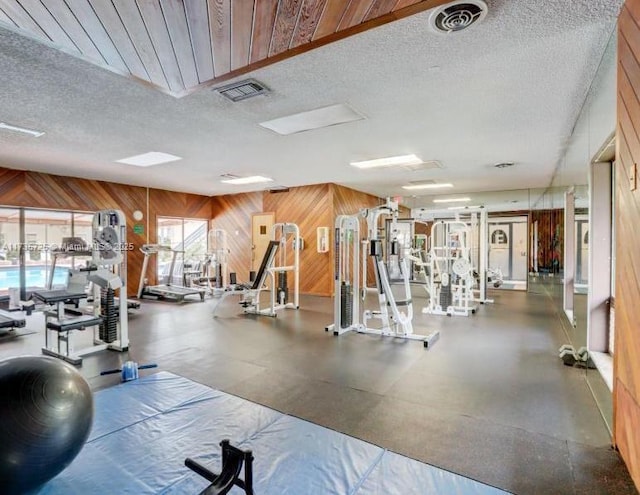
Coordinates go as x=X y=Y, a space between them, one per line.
x=36 y=276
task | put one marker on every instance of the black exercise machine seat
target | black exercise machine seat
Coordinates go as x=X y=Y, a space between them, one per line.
x=56 y=296
x=8 y=320
x=74 y=323
x=267 y=260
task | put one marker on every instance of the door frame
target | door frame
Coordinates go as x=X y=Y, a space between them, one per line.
x=253 y=246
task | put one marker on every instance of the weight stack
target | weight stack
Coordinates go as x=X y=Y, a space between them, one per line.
x=445 y=296
x=346 y=305
x=109 y=327
x=218 y=276
x=282 y=288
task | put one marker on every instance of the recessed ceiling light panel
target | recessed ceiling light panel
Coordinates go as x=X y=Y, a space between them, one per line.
x=14 y=128
x=451 y=200
x=415 y=187
x=313 y=119
x=391 y=161
x=149 y=159
x=254 y=179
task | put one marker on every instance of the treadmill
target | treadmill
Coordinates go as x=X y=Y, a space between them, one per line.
x=168 y=291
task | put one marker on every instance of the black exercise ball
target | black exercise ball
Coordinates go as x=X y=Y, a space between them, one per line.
x=46 y=412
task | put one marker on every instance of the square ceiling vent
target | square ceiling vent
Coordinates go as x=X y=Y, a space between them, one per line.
x=241 y=90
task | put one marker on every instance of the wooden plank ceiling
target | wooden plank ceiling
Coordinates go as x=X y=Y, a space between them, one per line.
x=180 y=45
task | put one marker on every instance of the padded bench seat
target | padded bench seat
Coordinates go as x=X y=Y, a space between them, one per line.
x=73 y=323
x=8 y=320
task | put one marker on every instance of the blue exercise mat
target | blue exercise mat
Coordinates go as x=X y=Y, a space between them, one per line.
x=143 y=430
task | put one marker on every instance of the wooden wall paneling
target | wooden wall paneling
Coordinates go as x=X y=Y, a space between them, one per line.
x=95 y=30
x=232 y=213
x=627 y=213
x=197 y=206
x=153 y=18
x=355 y=13
x=630 y=67
x=380 y=8
x=12 y=187
x=626 y=431
x=176 y=20
x=220 y=25
x=23 y=20
x=109 y=17
x=308 y=20
x=263 y=21
x=198 y=21
x=348 y=201
x=134 y=24
x=68 y=22
x=309 y=207
x=49 y=25
x=331 y=17
x=285 y=24
x=241 y=29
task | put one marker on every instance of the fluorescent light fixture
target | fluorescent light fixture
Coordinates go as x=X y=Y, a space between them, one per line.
x=254 y=179
x=451 y=200
x=20 y=129
x=313 y=119
x=392 y=161
x=415 y=187
x=462 y=207
x=149 y=159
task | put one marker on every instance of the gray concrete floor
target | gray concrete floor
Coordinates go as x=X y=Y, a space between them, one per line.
x=491 y=400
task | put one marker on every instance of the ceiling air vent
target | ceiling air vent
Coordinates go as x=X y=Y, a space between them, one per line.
x=242 y=90
x=457 y=16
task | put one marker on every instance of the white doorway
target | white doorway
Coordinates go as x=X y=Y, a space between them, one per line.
x=508 y=250
x=261 y=226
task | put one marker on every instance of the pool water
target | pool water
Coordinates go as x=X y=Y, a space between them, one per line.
x=36 y=276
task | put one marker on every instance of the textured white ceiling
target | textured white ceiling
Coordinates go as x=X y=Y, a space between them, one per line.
x=509 y=89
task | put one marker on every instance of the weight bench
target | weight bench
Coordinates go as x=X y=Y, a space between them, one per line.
x=250 y=296
x=62 y=326
x=10 y=322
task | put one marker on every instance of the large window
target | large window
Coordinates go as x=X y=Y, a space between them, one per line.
x=9 y=249
x=43 y=231
x=181 y=234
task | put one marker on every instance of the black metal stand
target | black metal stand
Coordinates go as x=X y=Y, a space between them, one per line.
x=233 y=459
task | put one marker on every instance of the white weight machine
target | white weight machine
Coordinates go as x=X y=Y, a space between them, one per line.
x=108 y=273
x=346 y=307
x=477 y=221
x=216 y=264
x=451 y=280
x=281 y=258
x=393 y=321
